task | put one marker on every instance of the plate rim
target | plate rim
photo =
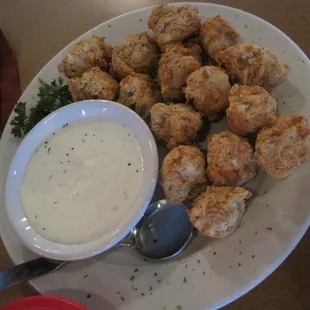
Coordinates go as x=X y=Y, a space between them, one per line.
x=303 y=229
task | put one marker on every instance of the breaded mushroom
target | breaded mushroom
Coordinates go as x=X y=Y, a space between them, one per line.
x=230 y=160
x=282 y=147
x=179 y=49
x=250 y=109
x=175 y=65
x=253 y=65
x=93 y=84
x=135 y=53
x=139 y=92
x=207 y=89
x=174 y=124
x=182 y=169
x=218 y=211
x=216 y=35
x=174 y=24
x=92 y=52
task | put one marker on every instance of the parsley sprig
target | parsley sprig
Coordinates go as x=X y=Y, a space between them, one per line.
x=51 y=97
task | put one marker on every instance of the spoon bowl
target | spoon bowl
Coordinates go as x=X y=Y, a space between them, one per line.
x=162 y=233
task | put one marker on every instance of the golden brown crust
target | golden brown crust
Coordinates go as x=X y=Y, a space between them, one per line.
x=174 y=24
x=182 y=169
x=93 y=84
x=216 y=35
x=217 y=212
x=230 y=160
x=250 y=109
x=176 y=64
x=253 y=65
x=139 y=92
x=207 y=89
x=92 y=52
x=282 y=147
x=135 y=53
x=174 y=124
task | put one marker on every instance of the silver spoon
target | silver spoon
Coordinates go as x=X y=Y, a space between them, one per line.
x=162 y=233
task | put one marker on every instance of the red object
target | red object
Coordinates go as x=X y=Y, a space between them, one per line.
x=43 y=303
x=9 y=81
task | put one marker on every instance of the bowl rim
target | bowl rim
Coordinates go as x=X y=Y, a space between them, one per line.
x=13 y=203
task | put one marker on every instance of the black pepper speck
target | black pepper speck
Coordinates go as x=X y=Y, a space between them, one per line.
x=269 y=228
x=136 y=270
x=88 y=296
x=155 y=274
x=184 y=280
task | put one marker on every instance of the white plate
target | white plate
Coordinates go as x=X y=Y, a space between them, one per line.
x=211 y=273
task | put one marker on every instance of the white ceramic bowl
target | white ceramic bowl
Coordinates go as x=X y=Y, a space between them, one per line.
x=73 y=112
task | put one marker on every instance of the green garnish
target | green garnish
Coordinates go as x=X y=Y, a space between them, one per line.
x=51 y=97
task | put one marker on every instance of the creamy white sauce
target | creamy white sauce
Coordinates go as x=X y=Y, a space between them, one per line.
x=82 y=181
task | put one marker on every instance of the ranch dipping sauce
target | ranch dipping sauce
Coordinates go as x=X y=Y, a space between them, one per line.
x=82 y=181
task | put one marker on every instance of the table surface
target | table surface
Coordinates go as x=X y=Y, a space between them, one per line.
x=37 y=30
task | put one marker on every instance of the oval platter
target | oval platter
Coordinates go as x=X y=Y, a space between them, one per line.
x=211 y=273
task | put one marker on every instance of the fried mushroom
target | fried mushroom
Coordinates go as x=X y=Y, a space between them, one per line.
x=135 y=53
x=139 y=92
x=217 y=212
x=174 y=124
x=207 y=89
x=230 y=160
x=93 y=84
x=216 y=35
x=282 y=147
x=175 y=65
x=92 y=52
x=182 y=169
x=174 y=24
x=253 y=65
x=250 y=109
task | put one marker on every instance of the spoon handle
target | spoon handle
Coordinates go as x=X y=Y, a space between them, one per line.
x=27 y=271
